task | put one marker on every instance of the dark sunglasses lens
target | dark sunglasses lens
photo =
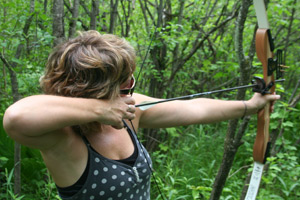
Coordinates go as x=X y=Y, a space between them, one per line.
x=130 y=88
x=125 y=91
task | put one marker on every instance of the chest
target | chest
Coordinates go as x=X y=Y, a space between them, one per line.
x=110 y=179
x=112 y=143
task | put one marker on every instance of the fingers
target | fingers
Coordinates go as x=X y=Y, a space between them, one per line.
x=130 y=113
x=273 y=97
x=114 y=111
x=123 y=109
x=128 y=100
x=130 y=110
x=258 y=102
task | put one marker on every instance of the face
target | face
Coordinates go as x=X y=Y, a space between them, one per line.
x=127 y=87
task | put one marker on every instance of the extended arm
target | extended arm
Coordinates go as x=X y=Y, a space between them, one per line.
x=199 y=111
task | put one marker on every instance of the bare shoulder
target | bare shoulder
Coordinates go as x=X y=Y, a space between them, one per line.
x=67 y=159
x=140 y=98
x=146 y=117
x=66 y=144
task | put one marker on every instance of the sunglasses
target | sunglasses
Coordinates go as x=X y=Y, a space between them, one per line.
x=130 y=88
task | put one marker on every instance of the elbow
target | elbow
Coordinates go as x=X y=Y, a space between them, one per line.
x=11 y=122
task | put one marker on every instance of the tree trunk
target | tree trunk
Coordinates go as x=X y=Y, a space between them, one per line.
x=291 y=20
x=16 y=96
x=158 y=54
x=233 y=137
x=94 y=14
x=3 y=48
x=113 y=15
x=32 y=8
x=78 y=19
x=73 y=21
x=17 y=146
x=103 y=20
x=143 y=8
x=296 y=100
x=127 y=13
x=58 y=21
x=45 y=6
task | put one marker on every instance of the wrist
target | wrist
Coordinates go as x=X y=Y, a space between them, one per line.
x=250 y=108
x=245 y=109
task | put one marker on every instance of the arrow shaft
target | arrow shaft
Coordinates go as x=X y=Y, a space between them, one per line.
x=200 y=94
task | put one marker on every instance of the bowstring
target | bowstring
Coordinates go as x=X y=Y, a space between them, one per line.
x=137 y=79
x=147 y=51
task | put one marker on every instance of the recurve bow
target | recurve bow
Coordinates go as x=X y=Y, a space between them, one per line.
x=264 y=50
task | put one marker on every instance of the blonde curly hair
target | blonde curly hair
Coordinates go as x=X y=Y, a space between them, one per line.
x=91 y=65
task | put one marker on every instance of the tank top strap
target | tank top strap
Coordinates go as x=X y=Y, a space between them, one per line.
x=131 y=132
x=85 y=140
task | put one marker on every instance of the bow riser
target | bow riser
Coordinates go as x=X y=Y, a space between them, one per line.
x=264 y=53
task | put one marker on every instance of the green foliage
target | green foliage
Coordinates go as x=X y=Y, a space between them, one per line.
x=36 y=181
x=36 y=188
x=283 y=178
x=187 y=163
x=8 y=186
x=187 y=160
x=186 y=166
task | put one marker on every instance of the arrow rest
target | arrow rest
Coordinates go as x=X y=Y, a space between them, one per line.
x=261 y=86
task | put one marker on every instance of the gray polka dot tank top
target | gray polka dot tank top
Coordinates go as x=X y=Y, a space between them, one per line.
x=111 y=180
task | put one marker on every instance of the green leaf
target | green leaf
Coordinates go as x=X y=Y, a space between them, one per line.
x=163 y=147
x=288 y=124
x=3 y=161
x=20 y=62
x=173 y=132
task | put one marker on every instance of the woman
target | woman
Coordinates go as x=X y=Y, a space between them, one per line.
x=82 y=125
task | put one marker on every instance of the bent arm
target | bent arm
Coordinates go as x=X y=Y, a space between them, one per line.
x=36 y=115
x=44 y=114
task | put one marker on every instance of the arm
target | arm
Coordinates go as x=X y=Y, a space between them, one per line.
x=199 y=111
x=37 y=116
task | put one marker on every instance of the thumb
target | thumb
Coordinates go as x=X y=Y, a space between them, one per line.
x=273 y=97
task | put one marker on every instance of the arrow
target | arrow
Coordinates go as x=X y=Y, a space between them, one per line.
x=148 y=104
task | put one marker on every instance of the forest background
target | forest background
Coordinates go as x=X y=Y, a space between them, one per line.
x=197 y=46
